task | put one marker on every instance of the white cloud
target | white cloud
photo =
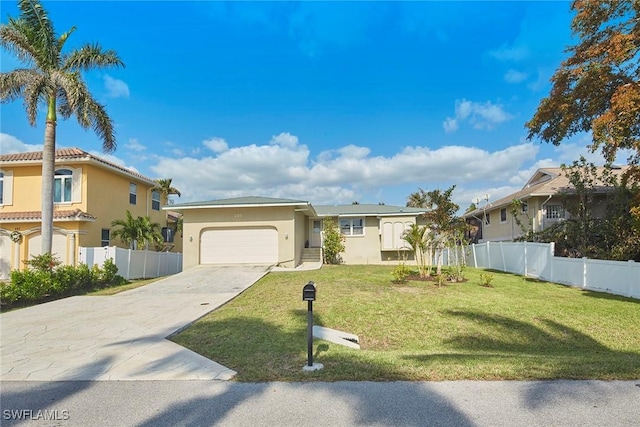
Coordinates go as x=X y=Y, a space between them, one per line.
x=484 y=116
x=514 y=76
x=115 y=88
x=510 y=53
x=134 y=145
x=338 y=176
x=215 y=144
x=10 y=144
x=285 y=139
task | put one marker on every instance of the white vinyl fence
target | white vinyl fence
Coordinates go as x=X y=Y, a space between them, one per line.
x=134 y=264
x=537 y=260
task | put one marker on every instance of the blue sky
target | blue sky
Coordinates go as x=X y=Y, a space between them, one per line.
x=331 y=102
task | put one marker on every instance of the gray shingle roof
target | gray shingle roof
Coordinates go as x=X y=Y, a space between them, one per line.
x=366 y=210
x=239 y=201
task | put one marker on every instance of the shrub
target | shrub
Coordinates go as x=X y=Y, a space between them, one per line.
x=485 y=279
x=400 y=273
x=47 y=278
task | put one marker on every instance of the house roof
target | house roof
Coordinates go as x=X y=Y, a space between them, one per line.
x=544 y=182
x=67 y=155
x=33 y=216
x=367 y=210
x=245 y=202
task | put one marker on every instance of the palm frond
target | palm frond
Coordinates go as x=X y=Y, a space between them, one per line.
x=14 y=40
x=12 y=84
x=37 y=19
x=34 y=93
x=91 y=56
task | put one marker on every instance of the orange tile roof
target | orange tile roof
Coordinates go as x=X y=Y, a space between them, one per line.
x=67 y=154
x=31 y=216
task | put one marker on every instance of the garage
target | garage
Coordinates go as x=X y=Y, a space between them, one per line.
x=253 y=245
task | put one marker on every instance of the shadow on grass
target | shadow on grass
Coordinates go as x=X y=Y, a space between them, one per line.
x=558 y=350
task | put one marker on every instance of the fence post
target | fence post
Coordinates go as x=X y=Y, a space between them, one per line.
x=551 y=255
x=524 y=246
x=129 y=265
x=584 y=272
x=630 y=263
x=489 y=256
x=473 y=253
x=504 y=265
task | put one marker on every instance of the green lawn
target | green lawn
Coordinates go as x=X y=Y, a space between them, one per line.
x=518 y=329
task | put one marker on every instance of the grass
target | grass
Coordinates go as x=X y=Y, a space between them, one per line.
x=517 y=329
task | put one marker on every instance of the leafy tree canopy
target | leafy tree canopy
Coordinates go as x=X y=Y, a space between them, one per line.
x=597 y=88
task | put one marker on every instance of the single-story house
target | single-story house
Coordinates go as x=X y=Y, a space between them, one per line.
x=286 y=232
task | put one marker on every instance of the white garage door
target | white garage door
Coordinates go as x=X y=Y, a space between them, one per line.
x=239 y=246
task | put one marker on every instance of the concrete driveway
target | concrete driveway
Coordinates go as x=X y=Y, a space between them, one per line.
x=120 y=337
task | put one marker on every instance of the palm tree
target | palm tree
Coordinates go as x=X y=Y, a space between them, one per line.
x=417 y=237
x=129 y=231
x=164 y=187
x=53 y=79
x=137 y=232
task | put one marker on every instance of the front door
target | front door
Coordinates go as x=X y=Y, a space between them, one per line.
x=315 y=233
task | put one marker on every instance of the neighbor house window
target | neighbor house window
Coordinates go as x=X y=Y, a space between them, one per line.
x=352 y=227
x=503 y=215
x=525 y=207
x=133 y=193
x=487 y=218
x=62 y=184
x=105 y=237
x=555 y=212
x=155 y=200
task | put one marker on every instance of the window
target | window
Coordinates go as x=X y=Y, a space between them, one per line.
x=487 y=218
x=352 y=227
x=155 y=200
x=525 y=207
x=62 y=184
x=555 y=212
x=133 y=193
x=1 y=187
x=105 y=237
x=503 y=215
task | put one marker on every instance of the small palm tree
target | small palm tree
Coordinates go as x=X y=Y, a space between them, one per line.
x=129 y=231
x=53 y=79
x=416 y=236
x=164 y=187
x=149 y=232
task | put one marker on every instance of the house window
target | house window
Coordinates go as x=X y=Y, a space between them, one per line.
x=352 y=227
x=155 y=200
x=503 y=215
x=525 y=207
x=555 y=212
x=62 y=184
x=133 y=189
x=1 y=187
x=487 y=218
x=105 y=237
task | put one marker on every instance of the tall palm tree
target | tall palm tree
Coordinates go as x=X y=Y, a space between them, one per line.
x=165 y=189
x=53 y=79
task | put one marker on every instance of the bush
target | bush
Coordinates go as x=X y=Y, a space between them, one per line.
x=400 y=273
x=486 y=279
x=47 y=278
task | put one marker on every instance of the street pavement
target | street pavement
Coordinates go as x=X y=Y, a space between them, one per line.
x=228 y=403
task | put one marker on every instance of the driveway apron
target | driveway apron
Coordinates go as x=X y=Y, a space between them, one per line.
x=120 y=337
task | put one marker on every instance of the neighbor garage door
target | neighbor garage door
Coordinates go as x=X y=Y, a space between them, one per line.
x=239 y=246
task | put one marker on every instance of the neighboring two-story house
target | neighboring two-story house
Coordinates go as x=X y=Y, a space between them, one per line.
x=541 y=204
x=89 y=193
x=285 y=232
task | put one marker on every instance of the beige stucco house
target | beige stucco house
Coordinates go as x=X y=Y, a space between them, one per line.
x=541 y=205
x=286 y=232
x=90 y=193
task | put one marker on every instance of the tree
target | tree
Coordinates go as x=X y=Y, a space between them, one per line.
x=597 y=88
x=332 y=242
x=418 y=237
x=137 y=232
x=441 y=216
x=53 y=80
x=164 y=187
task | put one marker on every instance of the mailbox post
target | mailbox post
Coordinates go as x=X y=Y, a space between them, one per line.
x=309 y=295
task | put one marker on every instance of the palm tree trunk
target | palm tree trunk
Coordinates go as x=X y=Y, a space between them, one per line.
x=48 y=170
